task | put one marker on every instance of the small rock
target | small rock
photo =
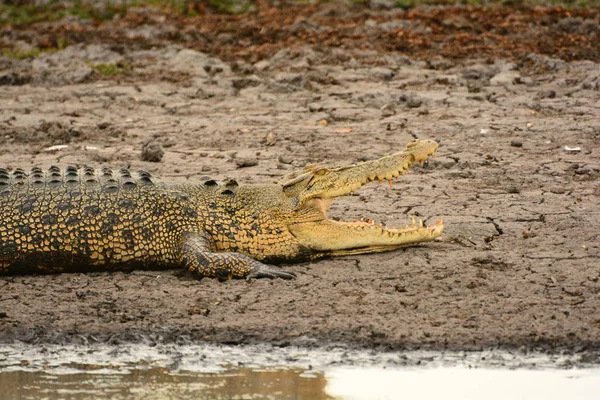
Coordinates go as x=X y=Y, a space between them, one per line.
x=242 y=67
x=245 y=162
x=262 y=65
x=195 y=310
x=516 y=143
x=505 y=78
x=270 y=139
x=385 y=74
x=152 y=151
x=545 y=94
x=242 y=83
x=314 y=107
x=557 y=190
x=74 y=132
x=285 y=159
x=411 y=101
x=472 y=285
x=202 y=94
x=387 y=110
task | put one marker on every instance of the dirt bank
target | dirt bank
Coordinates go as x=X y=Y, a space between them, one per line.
x=516 y=179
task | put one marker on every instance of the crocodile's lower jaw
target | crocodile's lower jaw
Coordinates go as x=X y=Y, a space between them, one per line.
x=379 y=238
x=358 y=237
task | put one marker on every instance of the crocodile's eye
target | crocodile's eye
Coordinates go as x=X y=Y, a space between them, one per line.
x=321 y=171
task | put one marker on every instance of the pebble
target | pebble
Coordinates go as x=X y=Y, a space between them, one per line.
x=245 y=162
x=152 y=151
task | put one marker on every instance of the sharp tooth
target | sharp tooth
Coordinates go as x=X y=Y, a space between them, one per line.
x=389 y=182
x=420 y=223
x=414 y=222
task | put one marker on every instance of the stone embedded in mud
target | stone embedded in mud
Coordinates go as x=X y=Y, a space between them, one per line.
x=411 y=100
x=246 y=162
x=152 y=151
x=388 y=110
x=384 y=74
x=243 y=83
x=262 y=65
x=285 y=159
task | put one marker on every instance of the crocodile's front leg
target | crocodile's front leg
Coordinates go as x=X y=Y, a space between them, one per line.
x=199 y=257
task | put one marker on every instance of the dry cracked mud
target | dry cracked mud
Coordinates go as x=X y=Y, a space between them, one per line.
x=516 y=178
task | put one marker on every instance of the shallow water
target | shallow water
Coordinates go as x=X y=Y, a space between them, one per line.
x=263 y=372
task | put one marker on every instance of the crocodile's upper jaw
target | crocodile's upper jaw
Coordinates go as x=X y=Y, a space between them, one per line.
x=317 y=187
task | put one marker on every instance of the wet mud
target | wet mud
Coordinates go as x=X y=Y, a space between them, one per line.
x=516 y=178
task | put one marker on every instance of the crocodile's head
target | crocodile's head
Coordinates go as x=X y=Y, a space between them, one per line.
x=314 y=188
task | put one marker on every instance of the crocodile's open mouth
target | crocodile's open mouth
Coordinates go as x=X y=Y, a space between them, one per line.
x=335 y=237
x=339 y=237
x=316 y=187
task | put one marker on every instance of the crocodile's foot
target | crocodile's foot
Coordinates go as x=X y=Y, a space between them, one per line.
x=260 y=270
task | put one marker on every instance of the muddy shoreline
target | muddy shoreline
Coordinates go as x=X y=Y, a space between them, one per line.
x=516 y=179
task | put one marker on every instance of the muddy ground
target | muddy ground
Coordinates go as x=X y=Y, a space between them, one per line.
x=512 y=96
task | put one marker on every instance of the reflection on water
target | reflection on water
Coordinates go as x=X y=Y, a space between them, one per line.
x=463 y=383
x=160 y=383
x=341 y=383
x=266 y=372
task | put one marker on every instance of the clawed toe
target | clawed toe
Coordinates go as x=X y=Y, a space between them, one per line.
x=267 y=271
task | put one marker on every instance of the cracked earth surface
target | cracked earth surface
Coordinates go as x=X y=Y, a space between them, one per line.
x=519 y=261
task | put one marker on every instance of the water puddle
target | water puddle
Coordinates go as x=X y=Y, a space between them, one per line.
x=264 y=372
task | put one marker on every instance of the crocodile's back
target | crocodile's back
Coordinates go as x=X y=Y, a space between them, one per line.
x=65 y=219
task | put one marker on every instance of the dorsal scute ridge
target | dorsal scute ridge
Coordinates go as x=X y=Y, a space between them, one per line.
x=55 y=176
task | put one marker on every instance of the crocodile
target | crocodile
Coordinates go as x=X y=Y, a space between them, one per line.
x=82 y=219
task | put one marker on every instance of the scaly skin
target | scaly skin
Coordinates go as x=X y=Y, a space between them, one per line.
x=84 y=219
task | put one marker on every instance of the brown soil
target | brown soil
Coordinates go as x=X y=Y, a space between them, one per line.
x=507 y=92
